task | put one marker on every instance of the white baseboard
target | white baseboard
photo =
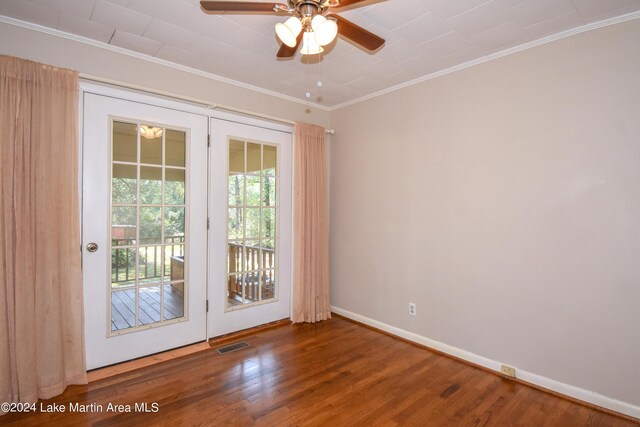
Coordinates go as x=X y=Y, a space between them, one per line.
x=556 y=386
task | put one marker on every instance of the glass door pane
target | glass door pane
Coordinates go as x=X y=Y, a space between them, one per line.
x=148 y=228
x=252 y=214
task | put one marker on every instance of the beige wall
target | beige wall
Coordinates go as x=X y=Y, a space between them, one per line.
x=37 y=46
x=504 y=200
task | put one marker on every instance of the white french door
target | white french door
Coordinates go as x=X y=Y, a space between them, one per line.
x=144 y=228
x=250 y=235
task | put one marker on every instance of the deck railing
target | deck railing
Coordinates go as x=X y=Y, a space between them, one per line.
x=258 y=278
x=123 y=259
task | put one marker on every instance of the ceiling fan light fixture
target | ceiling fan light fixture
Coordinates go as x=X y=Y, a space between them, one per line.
x=309 y=44
x=325 y=29
x=150 y=132
x=288 y=32
x=326 y=25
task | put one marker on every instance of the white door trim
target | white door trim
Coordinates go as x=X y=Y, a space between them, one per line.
x=176 y=104
x=104 y=349
x=89 y=87
x=222 y=320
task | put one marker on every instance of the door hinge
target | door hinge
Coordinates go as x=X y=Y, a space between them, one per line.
x=207 y=223
x=208 y=141
x=207 y=306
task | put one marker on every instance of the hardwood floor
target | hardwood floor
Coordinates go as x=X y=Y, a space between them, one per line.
x=334 y=373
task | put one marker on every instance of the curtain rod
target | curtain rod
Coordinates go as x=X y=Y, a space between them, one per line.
x=201 y=102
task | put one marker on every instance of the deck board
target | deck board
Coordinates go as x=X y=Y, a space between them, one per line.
x=123 y=307
x=117 y=319
x=173 y=304
x=130 y=297
x=152 y=313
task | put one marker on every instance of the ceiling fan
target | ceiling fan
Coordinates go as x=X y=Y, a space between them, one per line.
x=311 y=22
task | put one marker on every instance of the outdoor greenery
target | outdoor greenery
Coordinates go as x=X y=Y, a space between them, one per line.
x=123 y=220
x=246 y=206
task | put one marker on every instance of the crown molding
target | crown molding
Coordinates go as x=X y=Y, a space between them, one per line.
x=153 y=59
x=548 y=39
x=496 y=55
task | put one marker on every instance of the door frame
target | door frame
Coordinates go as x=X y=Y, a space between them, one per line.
x=143 y=340
x=219 y=309
x=211 y=112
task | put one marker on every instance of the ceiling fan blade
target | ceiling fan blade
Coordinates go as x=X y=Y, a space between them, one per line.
x=357 y=34
x=346 y=3
x=238 y=6
x=286 y=51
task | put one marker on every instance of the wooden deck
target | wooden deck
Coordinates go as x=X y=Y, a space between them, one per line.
x=333 y=373
x=123 y=306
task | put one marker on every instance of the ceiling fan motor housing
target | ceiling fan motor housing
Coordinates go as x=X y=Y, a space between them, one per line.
x=307 y=8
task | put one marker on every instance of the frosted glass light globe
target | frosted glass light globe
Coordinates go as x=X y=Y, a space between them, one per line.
x=288 y=32
x=309 y=44
x=325 y=29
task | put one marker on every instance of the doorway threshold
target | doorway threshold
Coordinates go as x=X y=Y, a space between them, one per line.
x=131 y=365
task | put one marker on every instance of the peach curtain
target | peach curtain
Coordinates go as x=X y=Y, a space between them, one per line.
x=41 y=318
x=311 y=227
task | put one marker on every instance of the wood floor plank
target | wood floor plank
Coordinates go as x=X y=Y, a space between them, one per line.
x=334 y=373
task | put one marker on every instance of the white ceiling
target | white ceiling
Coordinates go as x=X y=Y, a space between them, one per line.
x=422 y=37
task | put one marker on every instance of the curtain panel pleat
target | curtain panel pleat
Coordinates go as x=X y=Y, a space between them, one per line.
x=311 y=301
x=41 y=314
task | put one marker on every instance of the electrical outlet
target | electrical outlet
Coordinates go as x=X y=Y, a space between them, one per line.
x=412 y=309
x=508 y=370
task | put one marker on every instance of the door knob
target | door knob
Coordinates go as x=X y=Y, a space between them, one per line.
x=92 y=247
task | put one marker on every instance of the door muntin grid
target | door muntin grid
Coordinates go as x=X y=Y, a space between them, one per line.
x=148 y=226
x=252 y=212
